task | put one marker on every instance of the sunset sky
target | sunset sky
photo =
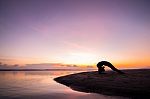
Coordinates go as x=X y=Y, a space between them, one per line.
x=75 y=32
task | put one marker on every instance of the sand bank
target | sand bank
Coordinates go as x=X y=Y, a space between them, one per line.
x=135 y=83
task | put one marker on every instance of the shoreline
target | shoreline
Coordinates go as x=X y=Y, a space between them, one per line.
x=135 y=83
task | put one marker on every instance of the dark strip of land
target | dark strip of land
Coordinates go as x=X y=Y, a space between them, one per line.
x=42 y=70
x=134 y=83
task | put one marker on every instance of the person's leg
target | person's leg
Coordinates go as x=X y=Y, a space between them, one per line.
x=115 y=69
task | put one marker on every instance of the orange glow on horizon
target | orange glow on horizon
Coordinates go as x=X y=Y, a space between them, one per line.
x=118 y=64
x=82 y=59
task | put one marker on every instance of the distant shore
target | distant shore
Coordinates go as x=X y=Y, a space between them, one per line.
x=43 y=69
x=134 y=83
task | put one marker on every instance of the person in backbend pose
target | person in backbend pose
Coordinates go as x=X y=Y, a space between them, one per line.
x=101 y=67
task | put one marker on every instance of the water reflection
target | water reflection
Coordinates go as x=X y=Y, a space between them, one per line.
x=39 y=84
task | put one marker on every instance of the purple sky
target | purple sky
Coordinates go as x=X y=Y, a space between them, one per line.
x=75 y=31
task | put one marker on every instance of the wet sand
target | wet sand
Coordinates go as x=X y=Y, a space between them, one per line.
x=134 y=83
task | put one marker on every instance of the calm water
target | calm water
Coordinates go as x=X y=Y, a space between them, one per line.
x=40 y=85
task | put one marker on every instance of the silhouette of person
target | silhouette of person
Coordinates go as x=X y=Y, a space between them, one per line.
x=101 y=67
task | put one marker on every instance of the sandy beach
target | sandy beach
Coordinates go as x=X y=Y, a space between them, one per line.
x=134 y=83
